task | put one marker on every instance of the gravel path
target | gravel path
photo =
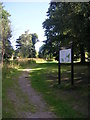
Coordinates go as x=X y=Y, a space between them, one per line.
x=41 y=108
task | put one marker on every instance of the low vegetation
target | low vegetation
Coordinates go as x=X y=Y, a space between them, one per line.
x=8 y=82
x=10 y=86
x=64 y=100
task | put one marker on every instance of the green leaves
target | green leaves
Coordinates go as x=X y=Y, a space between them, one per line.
x=26 y=45
x=5 y=33
x=67 y=22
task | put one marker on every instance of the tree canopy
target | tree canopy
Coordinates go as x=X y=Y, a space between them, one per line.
x=26 y=45
x=67 y=22
x=5 y=33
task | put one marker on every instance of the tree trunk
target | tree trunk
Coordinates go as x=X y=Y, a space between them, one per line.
x=51 y=50
x=82 y=52
x=2 y=52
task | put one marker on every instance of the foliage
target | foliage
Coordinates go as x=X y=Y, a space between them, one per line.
x=26 y=45
x=67 y=22
x=5 y=33
x=45 y=52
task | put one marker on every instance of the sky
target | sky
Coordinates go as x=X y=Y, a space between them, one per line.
x=27 y=16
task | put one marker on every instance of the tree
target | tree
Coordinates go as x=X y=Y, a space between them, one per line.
x=5 y=33
x=26 y=44
x=68 y=22
x=79 y=27
x=42 y=51
x=34 y=40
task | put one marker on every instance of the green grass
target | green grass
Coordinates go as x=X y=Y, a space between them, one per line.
x=8 y=82
x=53 y=93
x=0 y=91
x=44 y=78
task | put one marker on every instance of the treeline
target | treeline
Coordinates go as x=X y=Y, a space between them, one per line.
x=67 y=22
x=25 y=43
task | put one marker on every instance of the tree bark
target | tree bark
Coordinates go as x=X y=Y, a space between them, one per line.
x=82 y=52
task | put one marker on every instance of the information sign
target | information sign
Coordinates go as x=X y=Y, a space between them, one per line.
x=65 y=56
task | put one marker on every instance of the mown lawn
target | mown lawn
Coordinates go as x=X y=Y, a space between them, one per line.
x=64 y=100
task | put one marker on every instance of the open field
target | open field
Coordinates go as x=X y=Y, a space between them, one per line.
x=64 y=100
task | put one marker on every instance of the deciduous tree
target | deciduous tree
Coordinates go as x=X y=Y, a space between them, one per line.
x=5 y=33
x=68 y=22
x=26 y=45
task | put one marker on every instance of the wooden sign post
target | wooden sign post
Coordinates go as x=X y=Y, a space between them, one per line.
x=59 y=71
x=72 y=81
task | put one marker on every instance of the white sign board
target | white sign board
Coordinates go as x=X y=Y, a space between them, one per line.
x=65 y=56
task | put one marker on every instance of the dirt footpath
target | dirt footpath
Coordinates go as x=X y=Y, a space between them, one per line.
x=41 y=109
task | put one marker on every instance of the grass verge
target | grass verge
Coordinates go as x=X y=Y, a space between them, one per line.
x=8 y=75
x=14 y=100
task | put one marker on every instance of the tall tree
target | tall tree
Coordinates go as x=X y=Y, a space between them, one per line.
x=26 y=44
x=34 y=40
x=68 y=22
x=5 y=33
x=0 y=33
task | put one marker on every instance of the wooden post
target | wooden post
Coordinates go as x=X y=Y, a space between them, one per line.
x=59 y=71
x=72 y=81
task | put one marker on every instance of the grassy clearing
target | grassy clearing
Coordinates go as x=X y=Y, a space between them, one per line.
x=64 y=100
x=11 y=108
